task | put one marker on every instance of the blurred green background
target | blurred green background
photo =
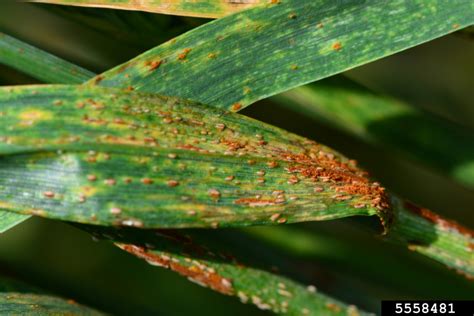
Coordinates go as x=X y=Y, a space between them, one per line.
x=341 y=258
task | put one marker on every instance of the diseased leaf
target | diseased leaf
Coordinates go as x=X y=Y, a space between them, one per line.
x=383 y=121
x=434 y=236
x=209 y=264
x=12 y=303
x=108 y=157
x=38 y=63
x=18 y=298
x=199 y=8
x=447 y=249
x=239 y=59
x=9 y=220
x=371 y=117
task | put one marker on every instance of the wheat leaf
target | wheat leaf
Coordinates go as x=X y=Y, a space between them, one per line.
x=9 y=220
x=458 y=245
x=12 y=303
x=433 y=236
x=239 y=59
x=205 y=260
x=200 y=8
x=371 y=117
x=38 y=63
x=109 y=157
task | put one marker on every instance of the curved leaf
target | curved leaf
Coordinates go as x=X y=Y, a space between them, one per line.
x=109 y=157
x=426 y=234
x=34 y=304
x=373 y=118
x=208 y=264
x=38 y=63
x=239 y=59
x=200 y=8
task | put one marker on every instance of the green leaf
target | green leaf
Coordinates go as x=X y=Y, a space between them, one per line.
x=110 y=157
x=38 y=63
x=9 y=220
x=345 y=249
x=433 y=236
x=239 y=59
x=18 y=298
x=373 y=118
x=12 y=303
x=206 y=261
x=201 y=8
x=432 y=250
x=386 y=122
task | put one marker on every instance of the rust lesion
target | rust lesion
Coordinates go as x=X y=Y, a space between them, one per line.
x=184 y=54
x=345 y=177
x=198 y=273
x=254 y=202
x=438 y=220
x=153 y=64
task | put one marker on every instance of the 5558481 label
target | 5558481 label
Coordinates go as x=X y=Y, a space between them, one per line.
x=428 y=308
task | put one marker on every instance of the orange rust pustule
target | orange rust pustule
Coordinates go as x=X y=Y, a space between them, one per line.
x=438 y=220
x=191 y=148
x=233 y=145
x=255 y=202
x=184 y=54
x=152 y=65
x=346 y=178
x=210 y=279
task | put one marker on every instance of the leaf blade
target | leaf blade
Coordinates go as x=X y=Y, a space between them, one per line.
x=148 y=161
x=288 y=45
x=433 y=236
x=38 y=63
x=22 y=303
x=205 y=263
x=202 y=8
x=9 y=220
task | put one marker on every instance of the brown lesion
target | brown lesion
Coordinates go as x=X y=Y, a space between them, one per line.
x=345 y=177
x=438 y=220
x=184 y=54
x=254 y=202
x=196 y=272
x=153 y=64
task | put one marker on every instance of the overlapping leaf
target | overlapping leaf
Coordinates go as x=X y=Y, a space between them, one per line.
x=12 y=303
x=239 y=59
x=371 y=117
x=200 y=8
x=104 y=156
x=206 y=261
x=433 y=249
x=18 y=298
